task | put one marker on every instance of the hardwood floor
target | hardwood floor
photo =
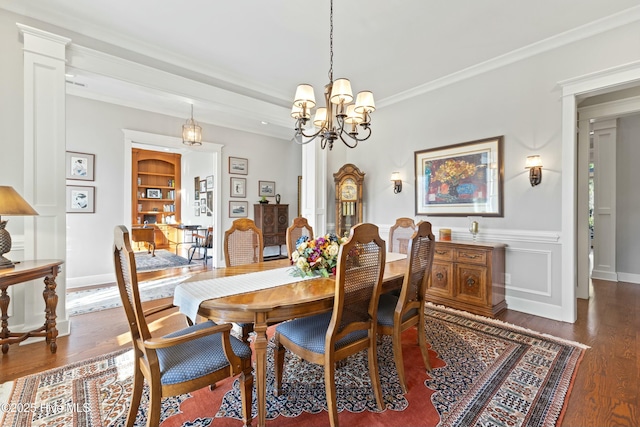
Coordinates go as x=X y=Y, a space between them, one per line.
x=605 y=392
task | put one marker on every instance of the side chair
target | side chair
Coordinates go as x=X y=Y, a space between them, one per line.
x=243 y=244
x=298 y=228
x=396 y=314
x=202 y=242
x=350 y=327
x=182 y=361
x=399 y=235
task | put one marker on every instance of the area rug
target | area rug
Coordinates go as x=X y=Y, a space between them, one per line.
x=164 y=259
x=92 y=300
x=485 y=372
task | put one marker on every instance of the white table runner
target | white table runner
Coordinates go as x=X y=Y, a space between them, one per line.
x=189 y=295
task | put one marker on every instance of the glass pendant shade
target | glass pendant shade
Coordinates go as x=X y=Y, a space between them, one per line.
x=191 y=132
x=341 y=91
x=304 y=97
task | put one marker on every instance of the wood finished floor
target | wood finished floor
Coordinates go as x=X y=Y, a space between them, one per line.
x=605 y=392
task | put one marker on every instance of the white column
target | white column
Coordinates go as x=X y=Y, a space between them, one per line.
x=44 y=167
x=583 y=238
x=314 y=187
x=604 y=189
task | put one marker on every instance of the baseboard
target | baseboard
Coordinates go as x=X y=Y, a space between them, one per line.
x=79 y=282
x=629 y=278
x=536 y=308
x=604 y=275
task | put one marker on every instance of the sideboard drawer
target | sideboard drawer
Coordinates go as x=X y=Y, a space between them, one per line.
x=471 y=256
x=443 y=254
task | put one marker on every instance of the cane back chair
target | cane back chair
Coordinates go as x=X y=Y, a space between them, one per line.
x=298 y=228
x=399 y=235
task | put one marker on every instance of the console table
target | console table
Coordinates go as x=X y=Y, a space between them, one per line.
x=25 y=271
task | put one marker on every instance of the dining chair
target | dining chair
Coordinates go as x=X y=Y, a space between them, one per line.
x=243 y=243
x=350 y=327
x=298 y=228
x=202 y=242
x=396 y=314
x=182 y=361
x=399 y=235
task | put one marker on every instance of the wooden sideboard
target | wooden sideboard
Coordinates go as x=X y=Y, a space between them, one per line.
x=468 y=276
x=273 y=220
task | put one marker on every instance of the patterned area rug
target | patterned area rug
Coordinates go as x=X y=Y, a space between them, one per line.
x=486 y=373
x=163 y=259
x=91 y=300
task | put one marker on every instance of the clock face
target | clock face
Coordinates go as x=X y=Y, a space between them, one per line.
x=349 y=190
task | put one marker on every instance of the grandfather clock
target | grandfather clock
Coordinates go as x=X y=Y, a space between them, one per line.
x=349 y=180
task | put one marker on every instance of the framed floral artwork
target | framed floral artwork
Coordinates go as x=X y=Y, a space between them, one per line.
x=460 y=180
x=81 y=199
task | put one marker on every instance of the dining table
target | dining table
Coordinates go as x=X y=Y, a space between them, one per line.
x=266 y=293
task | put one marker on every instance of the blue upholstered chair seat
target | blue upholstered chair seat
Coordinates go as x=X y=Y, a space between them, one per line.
x=310 y=332
x=387 y=308
x=196 y=358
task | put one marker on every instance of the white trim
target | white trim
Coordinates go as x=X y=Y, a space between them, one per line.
x=604 y=275
x=536 y=308
x=589 y=30
x=100 y=279
x=629 y=278
x=547 y=292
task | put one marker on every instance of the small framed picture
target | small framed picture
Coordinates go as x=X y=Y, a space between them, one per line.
x=196 y=207
x=266 y=188
x=80 y=166
x=203 y=186
x=238 y=166
x=203 y=204
x=210 y=182
x=81 y=199
x=238 y=187
x=154 y=193
x=196 y=188
x=238 y=209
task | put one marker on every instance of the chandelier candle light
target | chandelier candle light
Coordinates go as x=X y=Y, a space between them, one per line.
x=339 y=118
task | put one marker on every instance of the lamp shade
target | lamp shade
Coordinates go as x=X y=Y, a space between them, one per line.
x=395 y=176
x=533 y=162
x=304 y=96
x=352 y=116
x=320 y=120
x=364 y=102
x=12 y=204
x=341 y=91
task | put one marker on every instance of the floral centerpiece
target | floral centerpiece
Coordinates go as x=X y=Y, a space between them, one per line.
x=318 y=256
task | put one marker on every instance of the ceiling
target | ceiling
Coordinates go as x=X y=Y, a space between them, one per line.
x=260 y=50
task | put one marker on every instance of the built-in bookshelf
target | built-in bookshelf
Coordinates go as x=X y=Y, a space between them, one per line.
x=155 y=185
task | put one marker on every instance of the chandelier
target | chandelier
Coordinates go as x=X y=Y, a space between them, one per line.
x=191 y=132
x=338 y=118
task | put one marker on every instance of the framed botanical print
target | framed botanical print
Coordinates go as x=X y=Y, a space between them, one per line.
x=81 y=199
x=79 y=166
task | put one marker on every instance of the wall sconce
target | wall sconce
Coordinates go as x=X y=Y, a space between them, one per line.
x=534 y=164
x=397 y=182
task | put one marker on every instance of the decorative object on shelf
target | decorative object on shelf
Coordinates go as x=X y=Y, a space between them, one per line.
x=238 y=209
x=191 y=132
x=445 y=234
x=238 y=187
x=11 y=204
x=266 y=188
x=263 y=200
x=534 y=164
x=81 y=199
x=338 y=118
x=397 y=182
x=460 y=179
x=79 y=166
x=238 y=166
x=154 y=193
x=315 y=257
x=277 y=199
x=473 y=228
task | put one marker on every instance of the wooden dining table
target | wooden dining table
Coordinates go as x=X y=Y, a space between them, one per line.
x=276 y=304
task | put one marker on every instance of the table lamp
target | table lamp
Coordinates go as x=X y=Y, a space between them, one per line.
x=11 y=203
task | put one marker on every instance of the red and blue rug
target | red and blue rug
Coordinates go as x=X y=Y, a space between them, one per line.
x=485 y=372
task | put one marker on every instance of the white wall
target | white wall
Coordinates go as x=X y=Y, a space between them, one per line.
x=96 y=127
x=521 y=101
x=628 y=199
